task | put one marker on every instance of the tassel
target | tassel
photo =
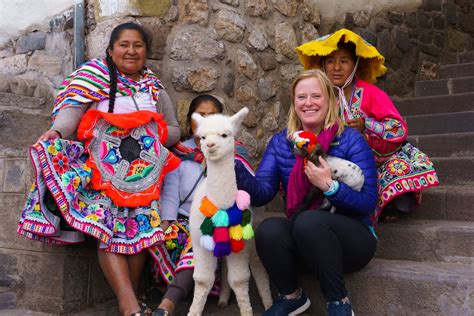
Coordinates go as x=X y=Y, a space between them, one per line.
x=220 y=219
x=242 y=199
x=237 y=245
x=207 y=207
x=222 y=249
x=207 y=228
x=221 y=234
x=207 y=242
x=247 y=217
x=235 y=215
x=247 y=232
x=236 y=232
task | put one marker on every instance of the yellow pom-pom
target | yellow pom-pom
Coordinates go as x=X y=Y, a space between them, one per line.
x=236 y=232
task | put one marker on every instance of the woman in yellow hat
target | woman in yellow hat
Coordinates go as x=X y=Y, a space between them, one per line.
x=353 y=65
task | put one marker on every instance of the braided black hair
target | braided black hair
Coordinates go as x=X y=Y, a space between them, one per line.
x=197 y=102
x=114 y=36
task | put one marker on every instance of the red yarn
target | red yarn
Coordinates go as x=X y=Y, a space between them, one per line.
x=237 y=245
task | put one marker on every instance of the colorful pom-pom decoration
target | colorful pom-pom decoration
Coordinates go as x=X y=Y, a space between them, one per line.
x=207 y=227
x=221 y=234
x=207 y=207
x=220 y=219
x=235 y=215
x=222 y=249
x=246 y=217
x=302 y=139
x=207 y=242
x=236 y=232
x=242 y=199
x=247 y=232
x=236 y=245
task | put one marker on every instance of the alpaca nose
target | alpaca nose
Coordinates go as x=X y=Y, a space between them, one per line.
x=210 y=145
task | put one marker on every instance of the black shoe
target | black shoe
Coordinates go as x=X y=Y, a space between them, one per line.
x=284 y=306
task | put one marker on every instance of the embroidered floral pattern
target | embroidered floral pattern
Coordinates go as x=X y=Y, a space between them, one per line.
x=60 y=163
x=155 y=219
x=143 y=223
x=131 y=227
x=398 y=167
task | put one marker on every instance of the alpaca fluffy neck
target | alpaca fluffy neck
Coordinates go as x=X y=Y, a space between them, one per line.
x=221 y=182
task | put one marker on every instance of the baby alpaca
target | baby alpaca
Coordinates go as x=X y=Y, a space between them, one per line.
x=216 y=209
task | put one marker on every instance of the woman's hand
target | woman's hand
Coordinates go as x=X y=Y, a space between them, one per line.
x=49 y=135
x=320 y=176
x=358 y=124
x=165 y=225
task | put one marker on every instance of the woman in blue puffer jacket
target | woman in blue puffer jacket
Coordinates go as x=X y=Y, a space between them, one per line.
x=330 y=244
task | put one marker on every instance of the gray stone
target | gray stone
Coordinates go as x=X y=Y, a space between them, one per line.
x=258 y=38
x=451 y=13
x=424 y=19
x=230 y=26
x=179 y=78
x=30 y=42
x=62 y=21
x=349 y=21
x=193 y=11
x=46 y=63
x=467 y=57
x=14 y=176
x=229 y=83
x=308 y=33
x=286 y=7
x=14 y=65
x=430 y=49
x=58 y=44
x=160 y=38
x=382 y=24
x=369 y=36
x=15 y=100
x=173 y=14
x=456 y=40
x=439 y=39
x=402 y=40
x=22 y=86
x=191 y=42
x=410 y=20
x=250 y=142
x=466 y=22
x=289 y=72
x=257 y=8
x=362 y=19
x=431 y=5
x=245 y=64
x=266 y=88
x=7 y=300
x=425 y=36
x=267 y=60
x=285 y=40
x=310 y=12
x=270 y=119
x=395 y=17
x=383 y=42
x=6 y=52
x=245 y=96
x=234 y=3
x=203 y=78
x=439 y=21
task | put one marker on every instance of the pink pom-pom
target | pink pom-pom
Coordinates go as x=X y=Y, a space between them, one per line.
x=242 y=199
x=221 y=234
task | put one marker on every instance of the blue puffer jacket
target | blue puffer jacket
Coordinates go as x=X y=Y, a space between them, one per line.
x=278 y=160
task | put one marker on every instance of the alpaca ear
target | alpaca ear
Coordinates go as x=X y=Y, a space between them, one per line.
x=197 y=117
x=238 y=118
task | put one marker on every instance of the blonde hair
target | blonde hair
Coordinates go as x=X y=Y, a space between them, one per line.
x=332 y=117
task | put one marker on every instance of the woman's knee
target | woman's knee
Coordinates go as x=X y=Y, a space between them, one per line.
x=271 y=228
x=309 y=220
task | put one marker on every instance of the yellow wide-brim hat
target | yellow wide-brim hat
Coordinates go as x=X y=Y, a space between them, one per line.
x=370 y=60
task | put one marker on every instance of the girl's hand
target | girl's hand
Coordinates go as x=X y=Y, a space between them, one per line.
x=49 y=135
x=320 y=177
x=358 y=124
x=165 y=225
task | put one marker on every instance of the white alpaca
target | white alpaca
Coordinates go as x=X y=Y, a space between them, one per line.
x=217 y=133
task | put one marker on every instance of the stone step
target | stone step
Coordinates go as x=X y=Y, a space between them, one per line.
x=436 y=104
x=454 y=170
x=457 y=70
x=459 y=122
x=453 y=203
x=445 y=145
x=426 y=240
x=444 y=86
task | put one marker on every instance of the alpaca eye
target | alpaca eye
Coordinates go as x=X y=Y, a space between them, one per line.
x=224 y=135
x=203 y=137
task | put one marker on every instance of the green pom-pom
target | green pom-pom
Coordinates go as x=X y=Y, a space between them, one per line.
x=247 y=232
x=246 y=217
x=207 y=228
x=220 y=219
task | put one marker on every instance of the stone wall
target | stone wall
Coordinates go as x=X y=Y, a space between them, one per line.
x=239 y=50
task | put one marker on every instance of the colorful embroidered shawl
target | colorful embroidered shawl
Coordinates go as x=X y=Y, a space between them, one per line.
x=91 y=83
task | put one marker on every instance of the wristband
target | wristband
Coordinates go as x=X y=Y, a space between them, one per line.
x=333 y=188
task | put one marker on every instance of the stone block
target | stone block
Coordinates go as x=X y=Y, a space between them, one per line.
x=7 y=300
x=14 y=65
x=46 y=63
x=105 y=9
x=15 y=100
x=230 y=26
x=266 y=88
x=439 y=21
x=160 y=37
x=234 y=3
x=451 y=13
x=11 y=206
x=100 y=289
x=383 y=42
x=286 y=7
x=431 y=5
x=410 y=20
x=439 y=39
x=193 y=11
x=14 y=138
x=424 y=19
x=268 y=60
x=6 y=52
x=466 y=22
x=62 y=21
x=258 y=39
x=245 y=64
x=467 y=57
x=14 y=176
x=192 y=42
x=2 y=171
x=285 y=40
x=31 y=42
x=456 y=40
x=402 y=40
x=369 y=36
x=229 y=83
x=396 y=18
x=257 y=8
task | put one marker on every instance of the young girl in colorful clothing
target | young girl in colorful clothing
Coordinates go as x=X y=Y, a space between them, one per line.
x=174 y=259
x=352 y=64
x=108 y=183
